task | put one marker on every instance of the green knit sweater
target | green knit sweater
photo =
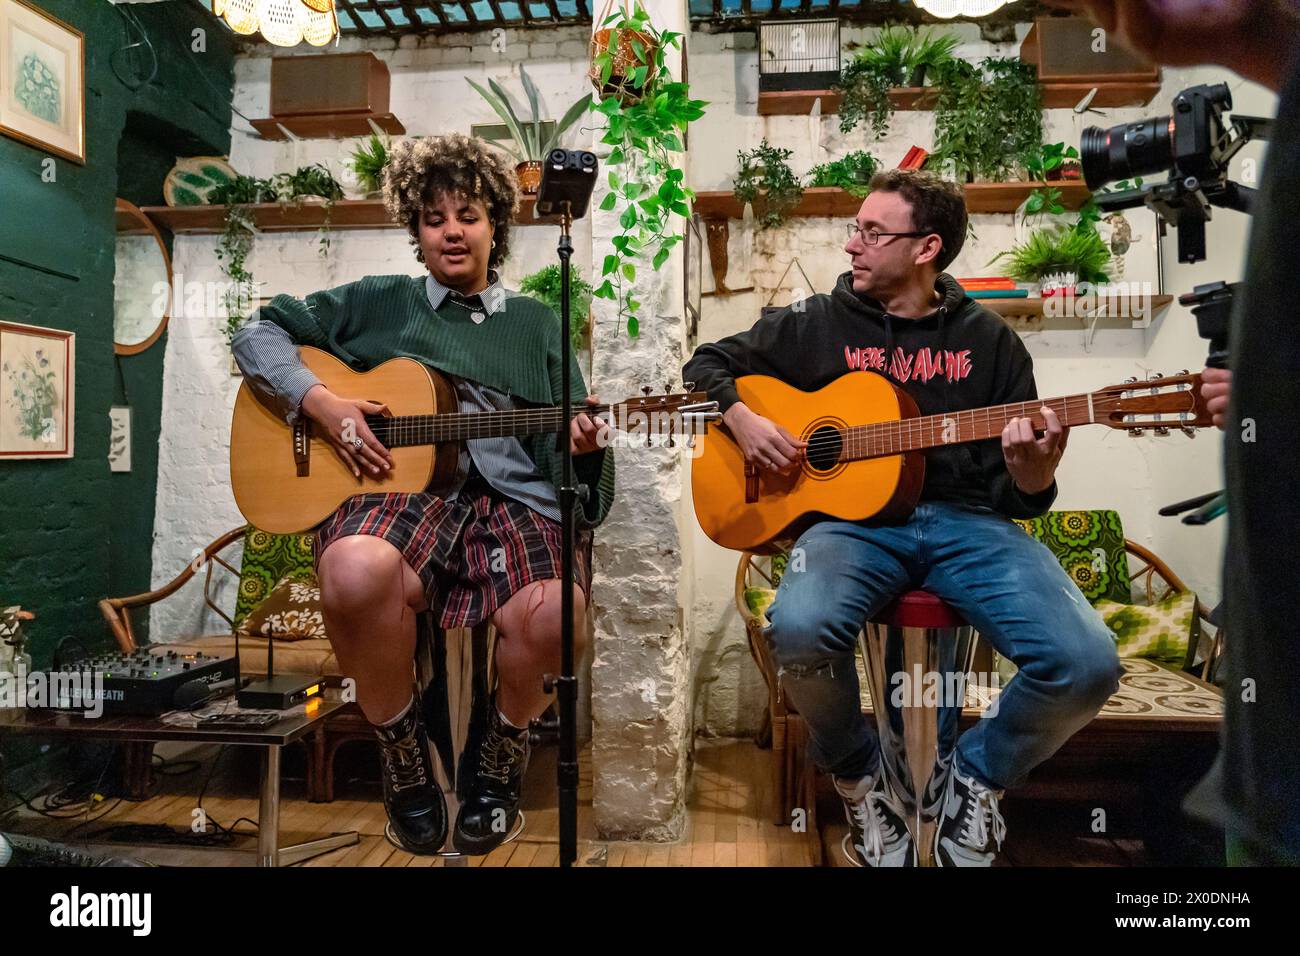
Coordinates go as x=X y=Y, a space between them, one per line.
x=368 y=322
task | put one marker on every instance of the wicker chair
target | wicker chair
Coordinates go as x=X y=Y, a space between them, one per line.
x=794 y=777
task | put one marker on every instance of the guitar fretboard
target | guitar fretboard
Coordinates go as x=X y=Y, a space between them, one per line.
x=953 y=428
x=403 y=430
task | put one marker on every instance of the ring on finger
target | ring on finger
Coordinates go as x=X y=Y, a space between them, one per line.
x=358 y=444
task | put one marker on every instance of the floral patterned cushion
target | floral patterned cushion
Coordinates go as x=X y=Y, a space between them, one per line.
x=291 y=613
x=268 y=559
x=1090 y=546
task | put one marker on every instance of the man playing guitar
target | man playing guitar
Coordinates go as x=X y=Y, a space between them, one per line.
x=488 y=547
x=898 y=314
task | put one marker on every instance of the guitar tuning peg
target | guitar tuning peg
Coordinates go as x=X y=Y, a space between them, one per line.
x=1130 y=381
x=690 y=441
x=1155 y=375
x=688 y=387
x=1161 y=430
x=668 y=388
x=1136 y=432
x=1184 y=372
x=1189 y=431
x=646 y=390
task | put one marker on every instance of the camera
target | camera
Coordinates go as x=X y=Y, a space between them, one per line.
x=1194 y=142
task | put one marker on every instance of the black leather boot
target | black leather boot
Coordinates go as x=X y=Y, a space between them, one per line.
x=417 y=812
x=491 y=808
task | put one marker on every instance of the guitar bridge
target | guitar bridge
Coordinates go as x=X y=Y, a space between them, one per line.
x=302 y=446
x=751 y=484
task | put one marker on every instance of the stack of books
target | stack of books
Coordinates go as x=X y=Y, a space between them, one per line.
x=992 y=287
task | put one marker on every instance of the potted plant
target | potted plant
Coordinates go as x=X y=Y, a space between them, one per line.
x=900 y=56
x=643 y=128
x=1058 y=259
x=852 y=173
x=928 y=52
x=529 y=147
x=545 y=286
x=310 y=184
x=367 y=164
x=236 y=243
x=986 y=116
x=624 y=52
x=766 y=180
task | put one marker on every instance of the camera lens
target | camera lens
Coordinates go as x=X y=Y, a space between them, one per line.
x=1125 y=151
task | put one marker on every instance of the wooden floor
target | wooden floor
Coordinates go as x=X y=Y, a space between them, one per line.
x=728 y=821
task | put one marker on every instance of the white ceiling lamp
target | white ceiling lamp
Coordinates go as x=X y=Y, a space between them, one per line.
x=281 y=22
x=947 y=9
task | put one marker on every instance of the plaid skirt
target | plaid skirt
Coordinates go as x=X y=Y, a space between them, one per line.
x=471 y=555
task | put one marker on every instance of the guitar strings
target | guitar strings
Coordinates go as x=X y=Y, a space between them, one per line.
x=881 y=433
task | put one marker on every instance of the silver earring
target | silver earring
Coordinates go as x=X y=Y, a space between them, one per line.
x=494 y=243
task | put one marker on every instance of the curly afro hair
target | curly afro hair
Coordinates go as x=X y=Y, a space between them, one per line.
x=419 y=169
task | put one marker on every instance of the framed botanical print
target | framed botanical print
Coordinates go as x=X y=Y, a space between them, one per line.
x=42 y=80
x=36 y=390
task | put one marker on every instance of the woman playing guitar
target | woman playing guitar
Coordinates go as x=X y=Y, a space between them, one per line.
x=485 y=545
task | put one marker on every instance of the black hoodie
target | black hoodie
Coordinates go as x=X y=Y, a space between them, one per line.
x=960 y=356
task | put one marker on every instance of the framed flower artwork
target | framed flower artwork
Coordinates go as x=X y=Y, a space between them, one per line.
x=42 y=81
x=36 y=391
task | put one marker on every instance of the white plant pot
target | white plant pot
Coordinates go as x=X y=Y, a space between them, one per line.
x=1059 y=283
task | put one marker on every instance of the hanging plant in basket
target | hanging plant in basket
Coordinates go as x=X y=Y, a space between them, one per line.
x=623 y=52
x=647 y=112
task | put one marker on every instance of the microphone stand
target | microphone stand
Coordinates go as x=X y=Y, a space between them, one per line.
x=566 y=685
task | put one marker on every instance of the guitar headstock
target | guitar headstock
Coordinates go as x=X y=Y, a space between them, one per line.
x=1174 y=400
x=672 y=413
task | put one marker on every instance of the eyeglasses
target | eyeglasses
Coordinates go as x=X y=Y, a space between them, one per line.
x=872 y=236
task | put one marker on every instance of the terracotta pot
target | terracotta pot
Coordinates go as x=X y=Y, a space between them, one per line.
x=530 y=176
x=625 y=61
x=1071 y=169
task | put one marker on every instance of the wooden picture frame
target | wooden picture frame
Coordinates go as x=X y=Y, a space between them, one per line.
x=37 y=387
x=42 y=81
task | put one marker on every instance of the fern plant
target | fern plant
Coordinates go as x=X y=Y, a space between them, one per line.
x=368 y=162
x=1048 y=252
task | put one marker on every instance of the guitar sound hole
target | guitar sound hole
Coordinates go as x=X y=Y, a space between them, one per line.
x=824 y=446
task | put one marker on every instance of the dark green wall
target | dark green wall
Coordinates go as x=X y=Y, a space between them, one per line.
x=70 y=531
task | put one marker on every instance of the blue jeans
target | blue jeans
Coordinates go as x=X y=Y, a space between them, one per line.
x=1007 y=585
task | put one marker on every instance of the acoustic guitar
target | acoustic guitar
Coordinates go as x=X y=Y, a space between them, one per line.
x=865 y=441
x=288 y=480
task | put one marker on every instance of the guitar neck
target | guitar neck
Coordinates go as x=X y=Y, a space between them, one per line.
x=403 y=430
x=954 y=428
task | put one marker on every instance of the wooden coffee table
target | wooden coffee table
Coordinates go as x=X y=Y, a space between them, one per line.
x=271 y=740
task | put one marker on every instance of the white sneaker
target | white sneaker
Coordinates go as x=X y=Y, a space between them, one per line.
x=969 y=824
x=878 y=834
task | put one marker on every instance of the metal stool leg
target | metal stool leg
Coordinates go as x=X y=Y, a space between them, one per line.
x=917 y=678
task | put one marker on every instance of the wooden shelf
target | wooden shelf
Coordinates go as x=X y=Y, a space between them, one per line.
x=1007 y=197
x=909 y=98
x=1029 y=311
x=327 y=125
x=347 y=214
x=832 y=202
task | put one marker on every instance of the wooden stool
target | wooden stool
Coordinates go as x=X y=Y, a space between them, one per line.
x=917 y=651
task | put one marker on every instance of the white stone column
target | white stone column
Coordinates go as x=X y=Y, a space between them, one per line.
x=640 y=676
